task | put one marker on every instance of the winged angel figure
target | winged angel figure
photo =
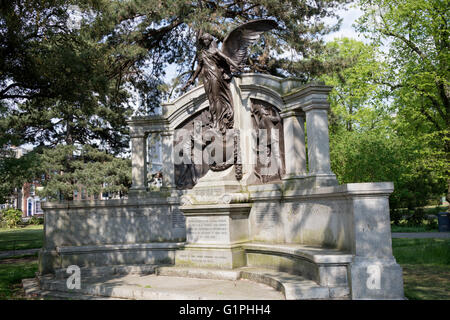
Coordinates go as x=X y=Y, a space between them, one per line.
x=218 y=65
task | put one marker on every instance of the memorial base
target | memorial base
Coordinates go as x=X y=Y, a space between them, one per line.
x=210 y=256
x=214 y=234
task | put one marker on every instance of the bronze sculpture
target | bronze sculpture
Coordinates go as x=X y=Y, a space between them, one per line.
x=217 y=68
x=266 y=117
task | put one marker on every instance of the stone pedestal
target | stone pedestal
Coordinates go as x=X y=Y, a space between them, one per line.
x=216 y=213
x=374 y=271
x=214 y=234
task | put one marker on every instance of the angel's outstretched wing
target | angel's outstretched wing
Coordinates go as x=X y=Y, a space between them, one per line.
x=236 y=43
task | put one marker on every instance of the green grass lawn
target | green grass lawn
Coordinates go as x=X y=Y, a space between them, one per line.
x=29 y=237
x=12 y=271
x=395 y=228
x=426 y=267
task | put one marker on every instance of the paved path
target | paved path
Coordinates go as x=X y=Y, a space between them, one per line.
x=421 y=235
x=13 y=253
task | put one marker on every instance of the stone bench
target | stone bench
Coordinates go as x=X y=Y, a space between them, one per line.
x=114 y=254
x=327 y=267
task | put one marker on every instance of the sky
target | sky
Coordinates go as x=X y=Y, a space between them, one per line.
x=349 y=17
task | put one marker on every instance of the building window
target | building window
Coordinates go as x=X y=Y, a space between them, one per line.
x=38 y=207
x=30 y=207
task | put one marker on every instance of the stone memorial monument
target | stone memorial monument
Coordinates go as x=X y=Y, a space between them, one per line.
x=246 y=187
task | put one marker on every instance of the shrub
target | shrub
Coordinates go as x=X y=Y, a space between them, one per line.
x=432 y=224
x=417 y=217
x=36 y=220
x=11 y=218
x=396 y=216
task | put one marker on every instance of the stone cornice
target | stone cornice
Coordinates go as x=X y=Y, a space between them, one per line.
x=310 y=96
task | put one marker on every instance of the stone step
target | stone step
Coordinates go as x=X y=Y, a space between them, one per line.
x=109 y=270
x=294 y=287
x=136 y=282
x=32 y=290
x=152 y=287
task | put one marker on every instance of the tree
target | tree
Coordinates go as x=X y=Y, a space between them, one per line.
x=358 y=101
x=14 y=172
x=129 y=43
x=379 y=155
x=90 y=169
x=416 y=36
x=367 y=139
x=61 y=85
x=56 y=83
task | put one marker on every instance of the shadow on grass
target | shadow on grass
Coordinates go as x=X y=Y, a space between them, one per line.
x=12 y=271
x=29 y=237
x=426 y=282
x=426 y=267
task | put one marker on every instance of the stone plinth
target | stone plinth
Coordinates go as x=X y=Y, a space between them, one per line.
x=214 y=234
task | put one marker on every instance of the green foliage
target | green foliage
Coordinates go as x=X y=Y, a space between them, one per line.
x=36 y=220
x=56 y=83
x=69 y=168
x=372 y=142
x=14 y=172
x=11 y=218
x=396 y=216
x=377 y=156
x=357 y=99
x=416 y=217
x=416 y=35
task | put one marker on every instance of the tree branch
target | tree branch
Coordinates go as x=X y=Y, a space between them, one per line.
x=408 y=42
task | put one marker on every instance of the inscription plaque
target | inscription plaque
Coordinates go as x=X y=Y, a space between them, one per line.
x=207 y=229
x=204 y=257
x=178 y=219
x=266 y=219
